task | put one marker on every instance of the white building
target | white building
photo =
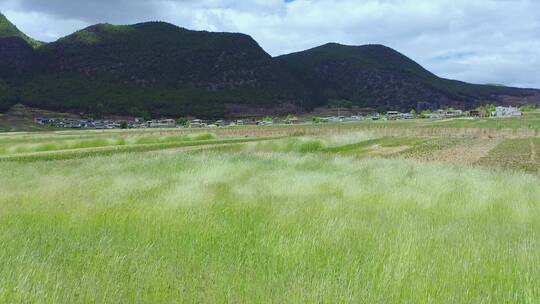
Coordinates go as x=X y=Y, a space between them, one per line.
x=392 y=115
x=162 y=123
x=507 y=112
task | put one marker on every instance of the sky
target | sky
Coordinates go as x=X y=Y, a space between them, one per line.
x=479 y=41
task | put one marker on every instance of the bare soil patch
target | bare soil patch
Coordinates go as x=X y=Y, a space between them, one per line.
x=467 y=153
x=514 y=154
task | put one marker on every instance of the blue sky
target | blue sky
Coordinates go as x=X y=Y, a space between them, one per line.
x=480 y=41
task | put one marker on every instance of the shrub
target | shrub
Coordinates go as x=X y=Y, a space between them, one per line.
x=182 y=121
x=527 y=108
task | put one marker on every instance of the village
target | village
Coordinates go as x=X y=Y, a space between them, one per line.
x=141 y=123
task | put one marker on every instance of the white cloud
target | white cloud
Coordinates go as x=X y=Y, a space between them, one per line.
x=42 y=26
x=481 y=41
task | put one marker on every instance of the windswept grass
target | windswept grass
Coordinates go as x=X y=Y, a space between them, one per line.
x=266 y=227
x=108 y=151
x=296 y=215
x=85 y=142
x=357 y=144
x=313 y=144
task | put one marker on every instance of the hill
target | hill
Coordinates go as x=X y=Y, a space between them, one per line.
x=159 y=69
x=380 y=77
x=155 y=69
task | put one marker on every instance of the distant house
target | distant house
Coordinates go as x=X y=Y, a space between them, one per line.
x=450 y=113
x=357 y=117
x=170 y=123
x=292 y=120
x=326 y=119
x=162 y=123
x=475 y=113
x=264 y=123
x=453 y=113
x=41 y=121
x=408 y=116
x=332 y=119
x=392 y=115
x=374 y=116
x=507 y=112
x=196 y=123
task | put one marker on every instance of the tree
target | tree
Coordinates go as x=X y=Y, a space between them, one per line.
x=268 y=119
x=425 y=113
x=527 y=108
x=291 y=119
x=346 y=104
x=341 y=103
x=487 y=109
x=100 y=108
x=182 y=121
x=145 y=115
x=123 y=125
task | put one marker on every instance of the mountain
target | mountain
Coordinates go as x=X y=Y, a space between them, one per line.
x=159 y=69
x=8 y=29
x=16 y=55
x=380 y=77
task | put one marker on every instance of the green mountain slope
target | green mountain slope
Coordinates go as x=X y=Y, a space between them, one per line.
x=378 y=76
x=156 y=68
x=8 y=29
x=159 y=69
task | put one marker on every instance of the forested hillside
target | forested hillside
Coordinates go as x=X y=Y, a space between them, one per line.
x=159 y=69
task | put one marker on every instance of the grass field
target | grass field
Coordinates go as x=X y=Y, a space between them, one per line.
x=287 y=214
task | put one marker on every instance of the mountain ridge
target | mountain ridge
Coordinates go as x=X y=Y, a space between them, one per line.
x=160 y=69
x=381 y=74
x=8 y=29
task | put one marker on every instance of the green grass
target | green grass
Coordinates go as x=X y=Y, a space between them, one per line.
x=108 y=151
x=358 y=144
x=266 y=227
x=9 y=147
x=8 y=126
x=304 y=144
x=321 y=218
